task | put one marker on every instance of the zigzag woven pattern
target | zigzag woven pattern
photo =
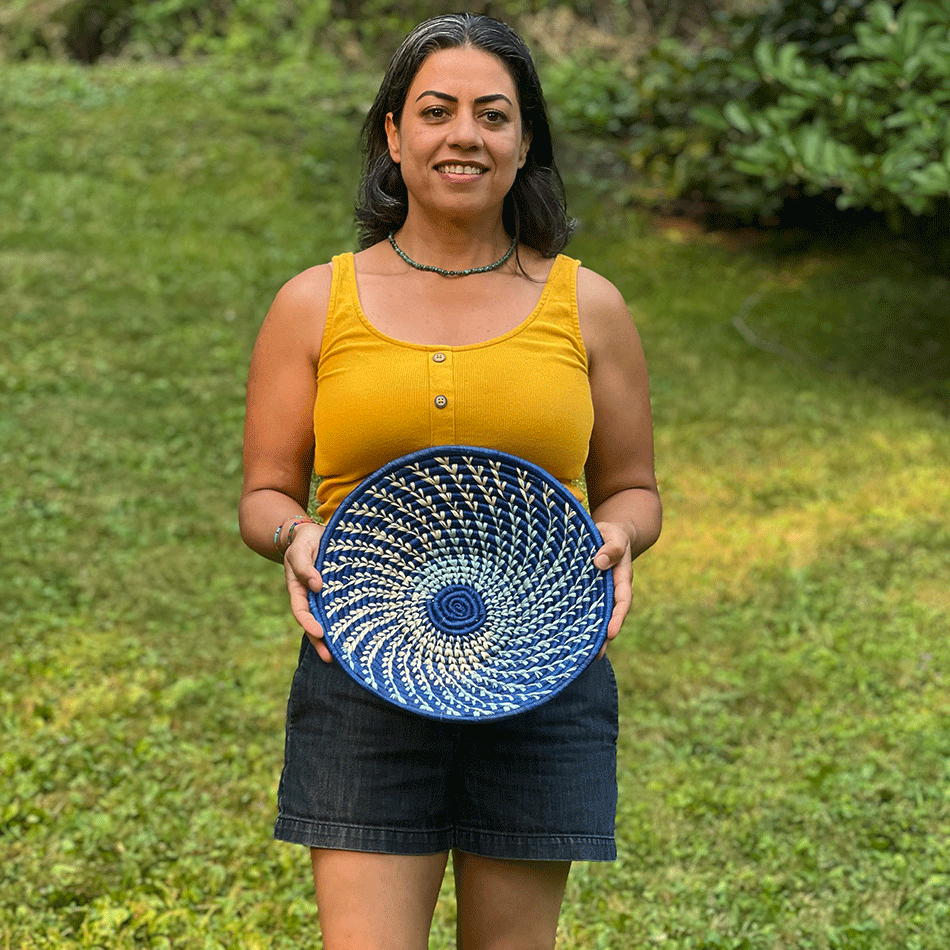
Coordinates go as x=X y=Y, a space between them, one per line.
x=459 y=583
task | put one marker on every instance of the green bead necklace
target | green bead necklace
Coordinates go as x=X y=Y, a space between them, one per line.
x=451 y=273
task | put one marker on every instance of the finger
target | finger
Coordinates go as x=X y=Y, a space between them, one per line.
x=614 y=545
x=614 y=554
x=300 y=608
x=608 y=555
x=313 y=630
x=299 y=560
x=623 y=597
x=321 y=649
x=306 y=574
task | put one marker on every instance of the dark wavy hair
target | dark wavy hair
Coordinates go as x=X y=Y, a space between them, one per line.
x=534 y=211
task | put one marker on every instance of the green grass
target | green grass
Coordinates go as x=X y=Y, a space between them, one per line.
x=785 y=750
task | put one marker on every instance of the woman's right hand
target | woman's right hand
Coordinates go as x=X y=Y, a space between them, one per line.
x=302 y=576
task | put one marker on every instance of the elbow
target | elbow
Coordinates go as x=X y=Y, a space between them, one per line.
x=243 y=526
x=650 y=526
x=246 y=520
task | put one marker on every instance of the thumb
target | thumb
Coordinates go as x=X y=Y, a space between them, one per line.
x=614 y=546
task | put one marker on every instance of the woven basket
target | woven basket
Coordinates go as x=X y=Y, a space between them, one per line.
x=458 y=583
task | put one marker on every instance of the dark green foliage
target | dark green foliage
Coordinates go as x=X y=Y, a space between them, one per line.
x=87 y=30
x=277 y=29
x=870 y=124
x=820 y=27
x=844 y=100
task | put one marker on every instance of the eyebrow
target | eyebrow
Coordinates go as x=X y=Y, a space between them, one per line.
x=478 y=101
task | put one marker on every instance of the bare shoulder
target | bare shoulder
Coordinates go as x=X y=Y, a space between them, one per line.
x=597 y=294
x=604 y=315
x=307 y=293
x=299 y=310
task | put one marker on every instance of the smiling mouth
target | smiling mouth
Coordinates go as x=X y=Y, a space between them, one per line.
x=455 y=169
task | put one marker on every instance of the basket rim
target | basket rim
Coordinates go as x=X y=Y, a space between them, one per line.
x=452 y=453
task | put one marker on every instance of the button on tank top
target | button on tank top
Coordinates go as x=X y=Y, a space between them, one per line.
x=525 y=392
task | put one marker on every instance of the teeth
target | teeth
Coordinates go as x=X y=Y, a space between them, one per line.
x=462 y=169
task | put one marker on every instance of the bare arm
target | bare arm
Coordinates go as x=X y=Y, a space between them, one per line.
x=621 y=482
x=278 y=437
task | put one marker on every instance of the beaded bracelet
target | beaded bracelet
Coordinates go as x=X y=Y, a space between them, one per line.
x=295 y=522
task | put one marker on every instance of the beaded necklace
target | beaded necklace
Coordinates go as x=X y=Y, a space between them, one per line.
x=451 y=273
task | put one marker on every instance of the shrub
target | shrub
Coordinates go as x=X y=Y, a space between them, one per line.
x=853 y=105
x=846 y=101
x=277 y=29
x=90 y=29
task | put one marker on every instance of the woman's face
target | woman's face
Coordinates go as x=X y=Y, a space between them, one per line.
x=460 y=140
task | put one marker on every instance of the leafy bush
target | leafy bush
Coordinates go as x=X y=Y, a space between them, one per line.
x=89 y=29
x=817 y=97
x=589 y=94
x=871 y=126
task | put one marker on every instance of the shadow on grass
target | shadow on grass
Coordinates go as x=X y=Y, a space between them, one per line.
x=856 y=300
x=844 y=294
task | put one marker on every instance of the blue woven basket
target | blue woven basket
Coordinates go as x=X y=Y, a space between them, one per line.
x=459 y=583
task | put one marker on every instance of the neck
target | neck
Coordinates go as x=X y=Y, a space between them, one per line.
x=452 y=246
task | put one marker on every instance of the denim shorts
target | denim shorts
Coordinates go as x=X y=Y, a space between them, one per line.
x=363 y=775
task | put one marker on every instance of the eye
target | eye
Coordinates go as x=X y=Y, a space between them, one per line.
x=435 y=112
x=494 y=116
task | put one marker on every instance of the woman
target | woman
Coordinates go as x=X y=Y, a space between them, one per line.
x=457 y=323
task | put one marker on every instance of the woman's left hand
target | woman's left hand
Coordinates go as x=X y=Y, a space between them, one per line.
x=614 y=554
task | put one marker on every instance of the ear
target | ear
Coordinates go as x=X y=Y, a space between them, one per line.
x=392 y=136
x=525 y=147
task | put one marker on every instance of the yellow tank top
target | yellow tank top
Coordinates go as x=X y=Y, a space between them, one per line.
x=525 y=392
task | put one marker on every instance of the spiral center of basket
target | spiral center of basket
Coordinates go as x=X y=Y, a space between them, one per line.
x=457 y=609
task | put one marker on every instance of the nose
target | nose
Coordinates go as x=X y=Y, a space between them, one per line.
x=464 y=133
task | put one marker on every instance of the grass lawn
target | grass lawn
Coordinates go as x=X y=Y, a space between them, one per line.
x=785 y=748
